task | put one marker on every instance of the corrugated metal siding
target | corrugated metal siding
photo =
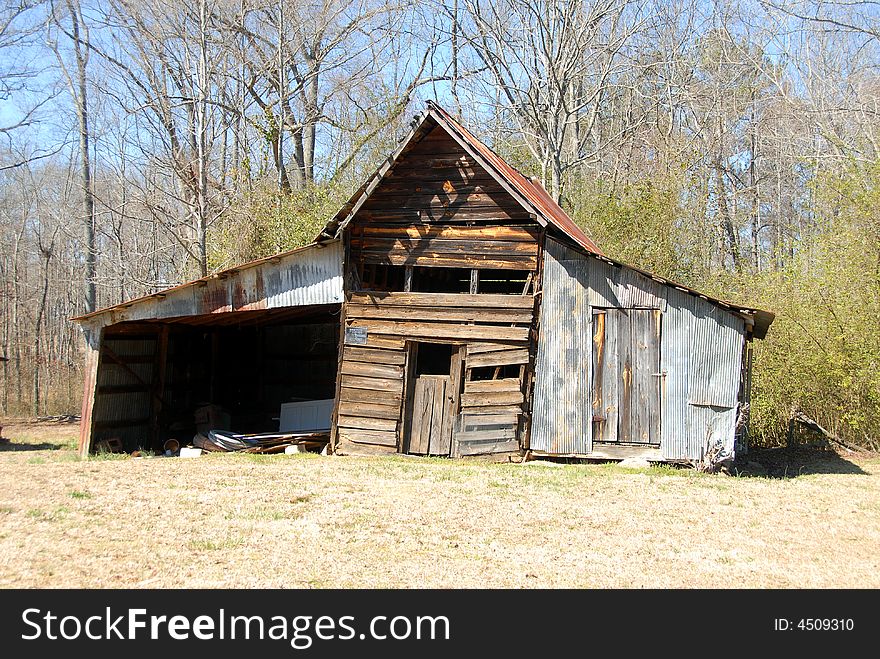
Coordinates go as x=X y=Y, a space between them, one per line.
x=124 y=406
x=717 y=348
x=562 y=417
x=613 y=286
x=701 y=353
x=708 y=426
x=313 y=280
x=675 y=361
x=305 y=277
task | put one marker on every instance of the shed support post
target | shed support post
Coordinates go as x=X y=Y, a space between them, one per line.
x=93 y=338
x=159 y=382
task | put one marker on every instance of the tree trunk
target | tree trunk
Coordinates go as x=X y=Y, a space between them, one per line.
x=724 y=221
x=38 y=327
x=80 y=47
x=202 y=140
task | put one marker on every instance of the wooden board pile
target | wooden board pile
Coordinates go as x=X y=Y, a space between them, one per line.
x=225 y=441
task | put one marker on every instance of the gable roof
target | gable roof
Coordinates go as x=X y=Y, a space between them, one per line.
x=530 y=194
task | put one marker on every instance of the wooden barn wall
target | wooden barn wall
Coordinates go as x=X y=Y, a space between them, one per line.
x=374 y=363
x=438 y=208
x=700 y=354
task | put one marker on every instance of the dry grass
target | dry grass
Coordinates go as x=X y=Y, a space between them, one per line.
x=308 y=521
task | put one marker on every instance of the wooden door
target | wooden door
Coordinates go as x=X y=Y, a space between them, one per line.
x=626 y=376
x=431 y=407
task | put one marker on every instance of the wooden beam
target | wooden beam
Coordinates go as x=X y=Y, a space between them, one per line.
x=93 y=339
x=444 y=300
x=444 y=330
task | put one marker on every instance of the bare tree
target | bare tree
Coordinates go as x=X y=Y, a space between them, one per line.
x=77 y=83
x=554 y=63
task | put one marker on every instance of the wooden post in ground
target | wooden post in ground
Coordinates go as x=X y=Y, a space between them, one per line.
x=93 y=336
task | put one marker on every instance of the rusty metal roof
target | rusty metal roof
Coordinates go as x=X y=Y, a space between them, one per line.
x=306 y=275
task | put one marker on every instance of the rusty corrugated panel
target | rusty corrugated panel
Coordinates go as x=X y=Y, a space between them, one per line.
x=562 y=415
x=533 y=191
x=701 y=353
x=305 y=281
x=306 y=276
x=621 y=287
x=111 y=407
x=717 y=342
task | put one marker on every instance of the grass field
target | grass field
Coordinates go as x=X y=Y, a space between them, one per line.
x=311 y=521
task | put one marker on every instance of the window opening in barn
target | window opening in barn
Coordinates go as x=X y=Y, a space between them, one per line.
x=494 y=372
x=441 y=280
x=382 y=277
x=433 y=359
x=512 y=282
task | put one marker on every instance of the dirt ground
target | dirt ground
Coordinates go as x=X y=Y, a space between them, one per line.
x=792 y=519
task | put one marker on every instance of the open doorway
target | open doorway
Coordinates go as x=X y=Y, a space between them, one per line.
x=433 y=384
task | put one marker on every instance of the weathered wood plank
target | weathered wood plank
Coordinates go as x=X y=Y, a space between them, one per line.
x=417 y=231
x=646 y=383
x=625 y=375
x=463 y=300
x=438 y=414
x=478 y=348
x=492 y=409
x=488 y=215
x=469 y=420
x=452 y=314
x=485 y=448
x=366 y=423
x=499 y=358
x=362 y=436
x=435 y=260
x=483 y=386
x=371 y=410
x=606 y=371
x=444 y=330
x=493 y=435
x=422 y=407
x=389 y=371
x=348 y=447
x=382 y=342
x=446 y=246
x=387 y=398
x=374 y=384
x=451 y=401
x=463 y=179
x=374 y=355
x=491 y=398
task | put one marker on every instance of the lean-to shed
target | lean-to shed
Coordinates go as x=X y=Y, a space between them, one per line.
x=460 y=312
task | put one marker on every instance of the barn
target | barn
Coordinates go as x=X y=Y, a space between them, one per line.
x=450 y=308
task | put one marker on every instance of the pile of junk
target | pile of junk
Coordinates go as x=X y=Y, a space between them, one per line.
x=304 y=427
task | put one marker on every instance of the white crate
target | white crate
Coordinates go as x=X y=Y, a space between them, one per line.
x=306 y=416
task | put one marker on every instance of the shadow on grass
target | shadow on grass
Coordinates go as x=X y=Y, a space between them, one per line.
x=792 y=462
x=9 y=445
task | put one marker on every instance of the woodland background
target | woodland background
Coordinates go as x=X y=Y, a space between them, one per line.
x=730 y=146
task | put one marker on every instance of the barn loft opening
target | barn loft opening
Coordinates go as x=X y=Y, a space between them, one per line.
x=172 y=378
x=433 y=359
x=441 y=280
